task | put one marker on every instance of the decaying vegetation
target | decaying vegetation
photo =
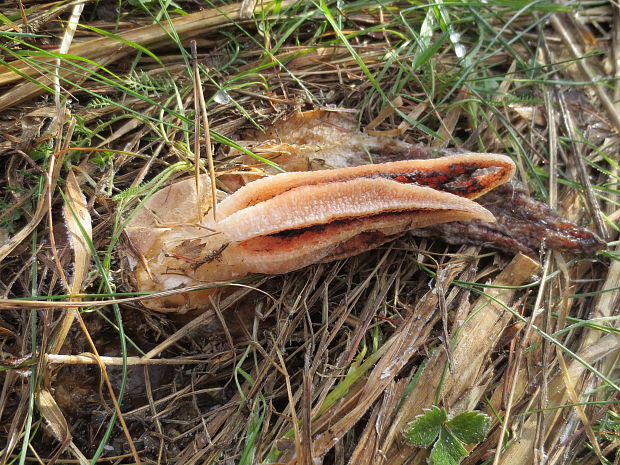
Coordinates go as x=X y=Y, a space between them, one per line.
x=100 y=104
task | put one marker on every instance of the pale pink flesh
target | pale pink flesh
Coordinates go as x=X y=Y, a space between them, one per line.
x=321 y=204
x=269 y=187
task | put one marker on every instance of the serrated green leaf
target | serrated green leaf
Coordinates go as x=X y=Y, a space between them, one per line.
x=426 y=427
x=448 y=450
x=470 y=427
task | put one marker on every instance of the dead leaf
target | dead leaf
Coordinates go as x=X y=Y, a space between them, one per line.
x=57 y=424
x=79 y=224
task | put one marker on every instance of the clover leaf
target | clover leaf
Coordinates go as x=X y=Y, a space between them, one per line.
x=449 y=436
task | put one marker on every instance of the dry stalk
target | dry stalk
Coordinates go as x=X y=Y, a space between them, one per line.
x=593 y=348
x=104 y=375
x=199 y=93
x=557 y=21
x=107 y=50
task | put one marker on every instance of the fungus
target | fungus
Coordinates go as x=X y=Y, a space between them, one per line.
x=288 y=221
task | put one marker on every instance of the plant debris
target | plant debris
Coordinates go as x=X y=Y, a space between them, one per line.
x=103 y=116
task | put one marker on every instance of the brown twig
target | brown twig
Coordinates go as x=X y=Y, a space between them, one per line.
x=104 y=375
x=207 y=135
